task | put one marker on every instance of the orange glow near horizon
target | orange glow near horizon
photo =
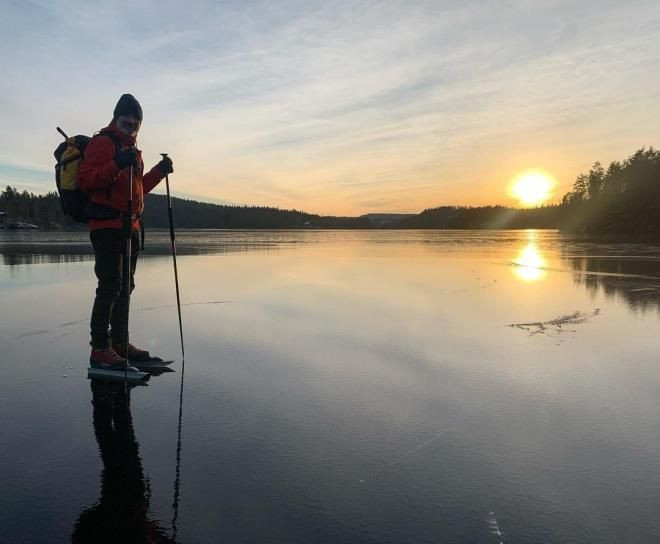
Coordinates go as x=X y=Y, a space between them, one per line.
x=489 y=184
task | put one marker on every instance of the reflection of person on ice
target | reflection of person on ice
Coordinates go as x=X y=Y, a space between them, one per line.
x=112 y=163
x=121 y=514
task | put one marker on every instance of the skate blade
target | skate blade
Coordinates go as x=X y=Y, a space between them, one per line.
x=151 y=363
x=131 y=374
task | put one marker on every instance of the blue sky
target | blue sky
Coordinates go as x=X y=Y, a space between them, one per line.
x=337 y=107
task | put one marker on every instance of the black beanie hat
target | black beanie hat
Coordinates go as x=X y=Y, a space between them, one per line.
x=127 y=105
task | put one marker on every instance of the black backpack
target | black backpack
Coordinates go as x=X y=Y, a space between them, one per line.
x=75 y=202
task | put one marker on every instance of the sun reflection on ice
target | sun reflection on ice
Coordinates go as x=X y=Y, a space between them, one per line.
x=529 y=264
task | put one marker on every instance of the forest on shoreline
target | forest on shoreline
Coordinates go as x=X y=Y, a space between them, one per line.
x=622 y=199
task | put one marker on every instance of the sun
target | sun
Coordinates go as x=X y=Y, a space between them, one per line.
x=532 y=187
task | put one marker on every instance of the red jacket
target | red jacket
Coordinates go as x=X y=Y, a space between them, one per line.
x=100 y=177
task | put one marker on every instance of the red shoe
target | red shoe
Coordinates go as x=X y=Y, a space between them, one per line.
x=107 y=359
x=135 y=355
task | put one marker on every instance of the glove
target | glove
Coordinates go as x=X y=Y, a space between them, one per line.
x=165 y=166
x=127 y=157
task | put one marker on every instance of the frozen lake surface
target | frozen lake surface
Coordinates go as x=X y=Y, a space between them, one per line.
x=339 y=387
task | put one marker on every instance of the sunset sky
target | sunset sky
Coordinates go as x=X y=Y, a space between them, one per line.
x=337 y=107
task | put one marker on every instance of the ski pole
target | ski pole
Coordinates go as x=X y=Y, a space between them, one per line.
x=173 y=242
x=177 y=479
x=128 y=225
x=177 y=472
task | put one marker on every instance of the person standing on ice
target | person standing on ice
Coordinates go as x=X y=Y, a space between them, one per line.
x=104 y=174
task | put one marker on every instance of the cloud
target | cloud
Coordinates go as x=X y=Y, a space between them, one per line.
x=283 y=102
x=31 y=180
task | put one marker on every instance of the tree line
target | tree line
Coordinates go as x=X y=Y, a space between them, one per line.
x=43 y=210
x=624 y=198
x=203 y=215
x=46 y=211
x=484 y=217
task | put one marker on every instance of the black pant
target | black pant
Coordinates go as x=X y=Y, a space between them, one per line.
x=111 y=303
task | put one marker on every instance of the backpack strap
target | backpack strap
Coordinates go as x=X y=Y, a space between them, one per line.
x=112 y=137
x=117 y=145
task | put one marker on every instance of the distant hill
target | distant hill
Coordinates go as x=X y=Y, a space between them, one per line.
x=385 y=220
x=484 y=217
x=202 y=215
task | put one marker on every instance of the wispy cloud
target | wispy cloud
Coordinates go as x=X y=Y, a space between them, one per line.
x=416 y=104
